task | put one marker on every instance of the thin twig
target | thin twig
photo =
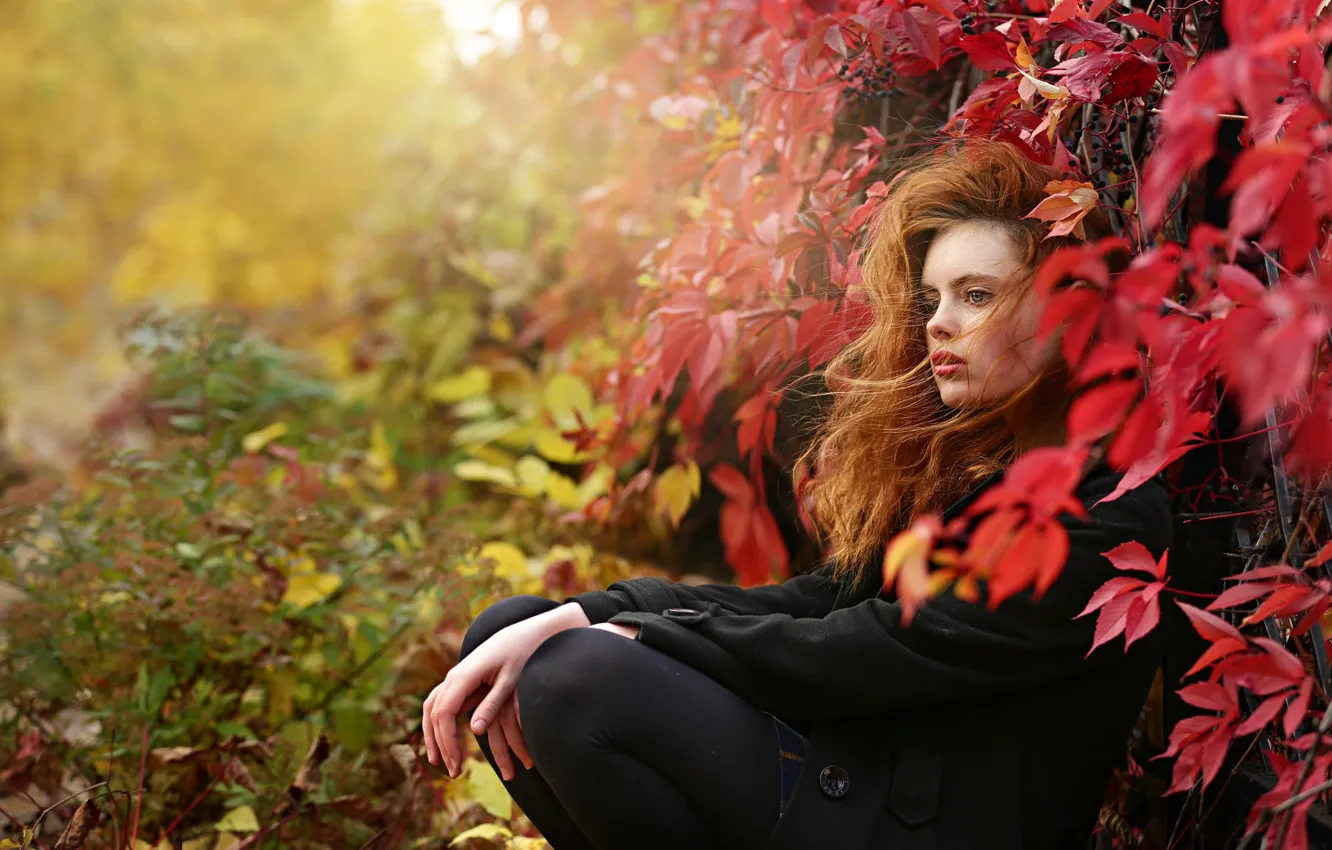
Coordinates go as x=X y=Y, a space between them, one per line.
x=138 y=798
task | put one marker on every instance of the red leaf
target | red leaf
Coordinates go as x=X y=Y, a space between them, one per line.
x=1098 y=411
x=1212 y=696
x=1144 y=22
x=1054 y=557
x=1189 y=116
x=814 y=44
x=1241 y=593
x=1210 y=626
x=1262 y=715
x=1137 y=435
x=732 y=483
x=1141 y=624
x=1112 y=619
x=1215 y=652
x=988 y=51
x=923 y=29
x=1286 y=601
x=1111 y=589
x=1132 y=555
x=836 y=40
x=1299 y=706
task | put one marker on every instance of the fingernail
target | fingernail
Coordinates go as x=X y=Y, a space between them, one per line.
x=479 y=727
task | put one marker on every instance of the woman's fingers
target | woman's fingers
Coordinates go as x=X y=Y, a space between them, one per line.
x=514 y=734
x=428 y=731
x=499 y=751
x=448 y=698
x=489 y=709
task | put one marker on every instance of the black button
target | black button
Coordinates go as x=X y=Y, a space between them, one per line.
x=687 y=616
x=834 y=782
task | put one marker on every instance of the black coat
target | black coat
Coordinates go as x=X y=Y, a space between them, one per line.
x=969 y=729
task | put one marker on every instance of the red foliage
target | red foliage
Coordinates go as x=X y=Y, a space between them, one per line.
x=760 y=277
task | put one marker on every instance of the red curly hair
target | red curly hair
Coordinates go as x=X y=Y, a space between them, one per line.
x=888 y=449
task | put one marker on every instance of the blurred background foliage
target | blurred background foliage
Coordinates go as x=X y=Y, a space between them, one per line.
x=294 y=385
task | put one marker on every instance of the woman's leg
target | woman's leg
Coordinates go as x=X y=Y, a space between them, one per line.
x=528 y=788
x=644 y=751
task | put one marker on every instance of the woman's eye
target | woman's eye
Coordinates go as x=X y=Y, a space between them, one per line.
x=983 y=295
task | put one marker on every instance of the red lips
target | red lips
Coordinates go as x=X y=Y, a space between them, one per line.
x=944 y=358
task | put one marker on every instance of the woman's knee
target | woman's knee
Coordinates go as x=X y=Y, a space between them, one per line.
x=501 y=615
x=575 y=670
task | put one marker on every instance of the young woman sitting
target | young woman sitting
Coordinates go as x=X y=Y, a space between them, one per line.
x=805 y=715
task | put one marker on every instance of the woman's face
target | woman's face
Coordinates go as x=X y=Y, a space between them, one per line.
x=966 y=266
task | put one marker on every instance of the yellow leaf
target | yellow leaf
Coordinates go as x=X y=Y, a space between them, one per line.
x=306 y=589
x=532 y=473
x=522 y=842
x=474 y=382
x=596 y=484
x=501 y=328
x=1049 y=91
x=908 y=547
x=487 y=831
x=562 y=491
x=555 y=448
x=196 y=844
x=380 y=460
x=1023 y=58
x=239 y=819
x=510 y=562
x=475 y=470
x=256 y=440
x=675 y=490
x=485 y=787
x=492 y=456
x=565 y=394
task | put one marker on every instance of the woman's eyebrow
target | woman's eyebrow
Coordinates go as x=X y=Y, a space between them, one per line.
x=964 y=279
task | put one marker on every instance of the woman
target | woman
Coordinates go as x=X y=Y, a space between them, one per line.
x=804 y=715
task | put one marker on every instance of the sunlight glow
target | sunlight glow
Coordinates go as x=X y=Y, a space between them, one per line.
x=481 y=25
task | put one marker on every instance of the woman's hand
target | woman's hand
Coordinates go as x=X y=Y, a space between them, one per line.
x=487 y=679
x=630 y=632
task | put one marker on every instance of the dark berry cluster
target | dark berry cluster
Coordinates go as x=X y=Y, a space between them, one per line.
x=868 y=82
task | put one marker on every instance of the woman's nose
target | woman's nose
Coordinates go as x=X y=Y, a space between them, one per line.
x=940 y=325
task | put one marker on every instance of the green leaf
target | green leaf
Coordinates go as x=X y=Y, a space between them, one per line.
x=354 y=727
x=228 y=728
x=187 y=422
x=158 y=689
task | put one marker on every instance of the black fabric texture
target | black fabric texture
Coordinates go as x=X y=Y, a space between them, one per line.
x=630 y=747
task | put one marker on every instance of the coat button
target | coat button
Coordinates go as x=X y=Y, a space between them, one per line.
x=834 y=781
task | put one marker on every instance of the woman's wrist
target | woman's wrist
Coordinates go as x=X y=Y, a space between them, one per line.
x=570 y=615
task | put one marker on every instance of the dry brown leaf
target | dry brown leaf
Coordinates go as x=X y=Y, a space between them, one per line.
x=85 y=820
x=306 y=778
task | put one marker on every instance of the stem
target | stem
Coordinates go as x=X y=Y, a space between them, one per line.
x=138 y=797
x=1304 y=774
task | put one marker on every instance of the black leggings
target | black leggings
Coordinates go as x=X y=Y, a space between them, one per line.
x=632 y=748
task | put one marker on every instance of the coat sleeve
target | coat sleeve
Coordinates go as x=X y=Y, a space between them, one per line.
x=860 y=660
x=813 y=594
